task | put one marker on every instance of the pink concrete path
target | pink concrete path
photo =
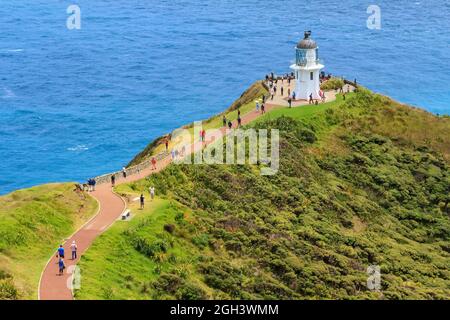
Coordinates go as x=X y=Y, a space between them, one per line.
x=111 y=206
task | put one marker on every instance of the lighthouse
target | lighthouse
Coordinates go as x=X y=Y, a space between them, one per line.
x=307 y=68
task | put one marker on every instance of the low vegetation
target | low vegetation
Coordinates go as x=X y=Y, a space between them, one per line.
x=332 y=84
x=362 y=182
x=32 y=224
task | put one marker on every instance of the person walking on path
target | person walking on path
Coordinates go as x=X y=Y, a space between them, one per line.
x=257 y=106
x=167 y=144
x=224 y=121
x=203 y=135
x=239 y=121
x=73 y=248
x=153 y=163
x=60 y=252
x=290 y=102
x=124 y=172
x=230 y=125
x=293 y=96
x=94 y=182
x=239 y=113
x=142 y=200
x=113 y=180
x=311 y=99
x=263 y=109
x=61 y=266
x=152 y=192
x=282 y=90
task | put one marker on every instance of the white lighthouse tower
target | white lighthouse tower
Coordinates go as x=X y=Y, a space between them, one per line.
x=307 y=68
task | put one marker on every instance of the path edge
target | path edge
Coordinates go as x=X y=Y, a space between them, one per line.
x=70 y=236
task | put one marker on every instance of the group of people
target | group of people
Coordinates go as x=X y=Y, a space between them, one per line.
x=91 y=184
x=228 y=123
x=60 y=256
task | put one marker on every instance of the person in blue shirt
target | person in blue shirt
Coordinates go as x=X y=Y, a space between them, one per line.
x=61 y=251
x=61 y=266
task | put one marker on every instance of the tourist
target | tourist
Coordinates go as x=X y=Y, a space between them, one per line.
x=94 y=182
x=167 y=144
x=173 y=154
x=124 y=172
x=311 y=99
x=239 y=121
x=257 y=106
x=152 y=192
x=239 y=112
x=113 y=180
x=89 y=183
x=293 y=96
x=281 y=90
x=224 y=121
x=263 y=109
x=230 y=125
x=73 y=248
x=60 y=251
x=61 y=266
x=153 y=163
x=142 y=199
x=290 y=102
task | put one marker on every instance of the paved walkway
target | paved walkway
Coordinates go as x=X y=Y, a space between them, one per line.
x=282 y=100
x=111 y=206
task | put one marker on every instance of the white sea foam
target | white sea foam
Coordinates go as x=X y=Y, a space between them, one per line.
x=78 y=148
x=7 y=93
x=13 y=50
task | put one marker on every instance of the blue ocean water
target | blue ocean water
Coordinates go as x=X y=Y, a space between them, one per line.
x=79 y=103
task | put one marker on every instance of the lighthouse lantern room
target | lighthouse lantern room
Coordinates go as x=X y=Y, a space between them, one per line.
x=307 y=68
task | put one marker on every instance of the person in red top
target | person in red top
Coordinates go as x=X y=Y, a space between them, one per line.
x=153 y=163
x=203 y=135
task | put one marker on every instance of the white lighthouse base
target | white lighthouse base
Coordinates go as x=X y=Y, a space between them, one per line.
x=307 y=82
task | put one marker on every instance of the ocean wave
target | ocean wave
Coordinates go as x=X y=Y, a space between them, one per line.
x=78 y=148
x=7 y=93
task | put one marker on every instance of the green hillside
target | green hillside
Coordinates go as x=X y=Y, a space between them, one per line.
x=32 y=224
x=364 y=181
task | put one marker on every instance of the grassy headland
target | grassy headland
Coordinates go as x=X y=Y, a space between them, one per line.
x=32 y=224
x=364 y=181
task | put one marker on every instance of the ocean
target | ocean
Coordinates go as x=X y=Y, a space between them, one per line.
x=79 y=103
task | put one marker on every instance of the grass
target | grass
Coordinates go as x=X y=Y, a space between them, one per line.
x=114 y=269
x=353 y=190
x=32 y=224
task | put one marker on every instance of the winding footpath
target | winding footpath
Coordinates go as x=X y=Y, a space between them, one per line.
x=55 y=287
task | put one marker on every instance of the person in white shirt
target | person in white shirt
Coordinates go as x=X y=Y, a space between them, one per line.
x=152 y=192
x=73 y=248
